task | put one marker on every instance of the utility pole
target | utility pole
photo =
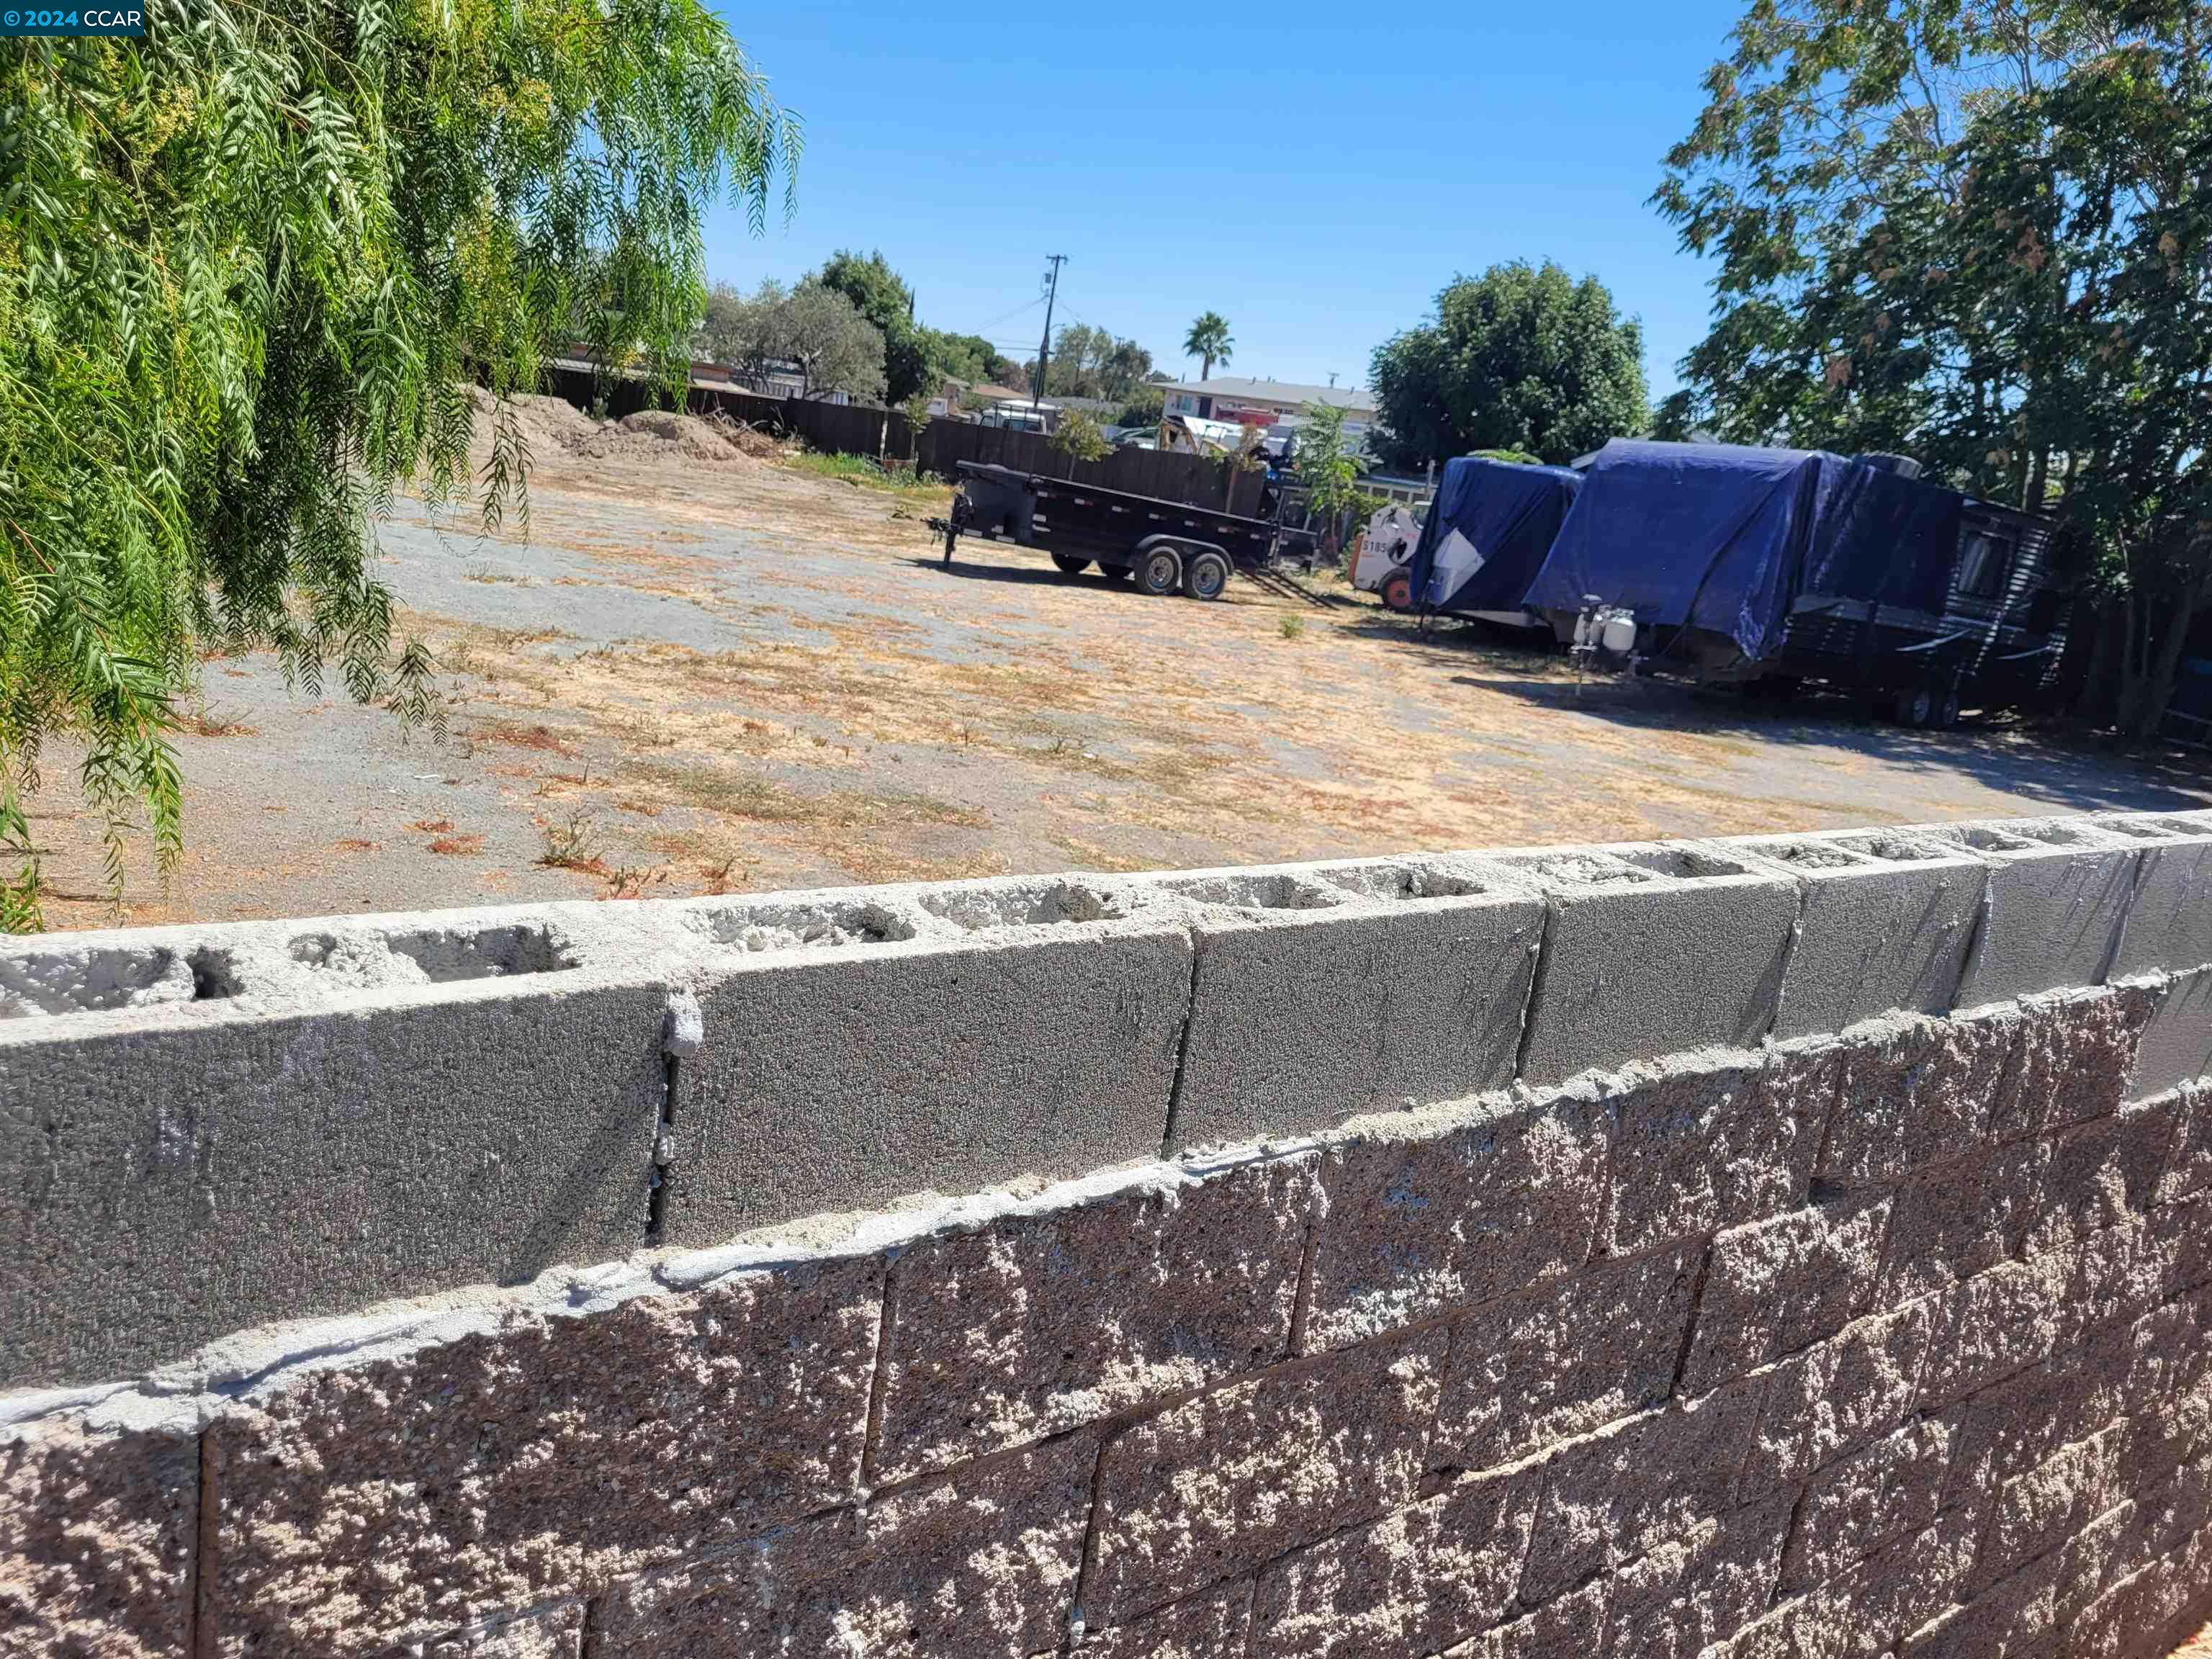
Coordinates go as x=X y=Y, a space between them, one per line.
x=1044 y=346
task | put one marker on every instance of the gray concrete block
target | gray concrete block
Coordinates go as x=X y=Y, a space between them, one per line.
x=1886 y=922
x=2177 y=1045
x=2059 y=890
x=2169 y=923
x=339 y=1113
x=1325 y=991
x=1651 y=948
x=867 y=1045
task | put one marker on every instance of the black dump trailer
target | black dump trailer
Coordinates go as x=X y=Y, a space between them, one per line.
x=1167 y=546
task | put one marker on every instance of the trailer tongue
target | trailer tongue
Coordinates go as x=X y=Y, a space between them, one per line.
x=1166 y=545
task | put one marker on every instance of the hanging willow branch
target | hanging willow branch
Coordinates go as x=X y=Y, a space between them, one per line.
x=250 y=266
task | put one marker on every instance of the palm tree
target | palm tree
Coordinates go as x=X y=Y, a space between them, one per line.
x=1209 y=341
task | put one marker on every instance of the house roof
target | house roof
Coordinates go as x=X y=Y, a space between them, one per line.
x=1281 y=391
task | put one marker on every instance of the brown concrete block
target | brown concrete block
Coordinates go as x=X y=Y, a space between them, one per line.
x=2037 y=1510
x=2076 y=1055
x=2016 y=1617
x=391 y=1502
x=2182 y=1232
x=983 y=1562
x=555 y=1633
x=1412 y=1583
x=1955 y=1220
x=1569 y=1628
x=1856 y=1505
x=1702 y=1148
x=1438 y=1211
x=1997 y=1323
x=1900 y=1589
x=1212 y=1488
x=2100 y=1175
x=1530 y=1370
x=2120 y=1273
x=1914 y=1090
x=1775 y=1287
x=1842 y=1393
x=1218 y=1622
x=2188 y=1161
x=1037 y=1323
x=1701 y=1588
x=98 y=1536
x=1626 y=1489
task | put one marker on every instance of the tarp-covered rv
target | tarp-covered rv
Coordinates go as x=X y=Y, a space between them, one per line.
x=1744 y=564
x=1486 y=534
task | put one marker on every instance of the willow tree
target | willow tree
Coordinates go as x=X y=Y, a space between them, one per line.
x=251 y=266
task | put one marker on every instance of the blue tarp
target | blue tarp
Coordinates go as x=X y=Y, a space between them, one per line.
x=1504 y=517
x=1885 y=537
x=1707 y=535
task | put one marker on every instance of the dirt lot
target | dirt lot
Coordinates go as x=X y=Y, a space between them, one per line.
x=705 y=671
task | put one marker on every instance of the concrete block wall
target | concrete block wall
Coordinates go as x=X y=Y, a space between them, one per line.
x=1630 y=1250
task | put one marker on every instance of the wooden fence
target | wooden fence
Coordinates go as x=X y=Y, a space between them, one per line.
x=886 y=435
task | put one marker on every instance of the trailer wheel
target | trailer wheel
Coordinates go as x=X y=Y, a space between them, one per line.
x=1397 y=591
x=1206 y=576
x=1918 y=707
x=1160 y=572
x=1070 y=564
x=1947 y=711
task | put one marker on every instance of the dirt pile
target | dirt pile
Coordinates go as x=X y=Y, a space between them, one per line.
x=659 y=435
x=547 y=423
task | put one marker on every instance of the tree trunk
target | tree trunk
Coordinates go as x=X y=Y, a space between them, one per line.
x=2153 y=688
x=2099 y=704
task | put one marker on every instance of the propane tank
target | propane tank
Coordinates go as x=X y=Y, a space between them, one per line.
x=1617 y=632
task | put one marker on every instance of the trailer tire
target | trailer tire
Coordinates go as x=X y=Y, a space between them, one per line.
x=1206 y=576
x=1918 y=707
x=1397 y=591
x=1070 y=564
x=1159 y=571
x=1947 y=709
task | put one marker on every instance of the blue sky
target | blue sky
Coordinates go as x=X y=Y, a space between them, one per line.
x=1313 y=173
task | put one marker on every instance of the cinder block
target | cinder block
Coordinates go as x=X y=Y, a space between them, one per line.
x=390 y=1502
x=2059 y=893
x=2176 y=1047
x=1214 y=1486
x=1568 y=1628
x=2014 y=1618
x=1862 y=1502
x=868 y=1044
x=554 y=1632
x=1541 y=1366
x=2037 y=1510
x=2169 y=922
x=1426 y=1212
x=1704 y=1143
x=1215 y=1623
x=1651 y=949
x=2100 y=1175
x=983 y=1561
x=2188 y=1161
x=1915 y=1091
x=2076 y=1053
x=1997 y=1323
x=1044 y=1319
x=1414 y=1581
x=1886 y=919
x=1625 y=1490
x=339 y=1112
x=1775 y=1287
x=97 y=1541
x=1842 y=1393
x=1702 y=1587
x=1323 y=991
x=1958 y=1218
